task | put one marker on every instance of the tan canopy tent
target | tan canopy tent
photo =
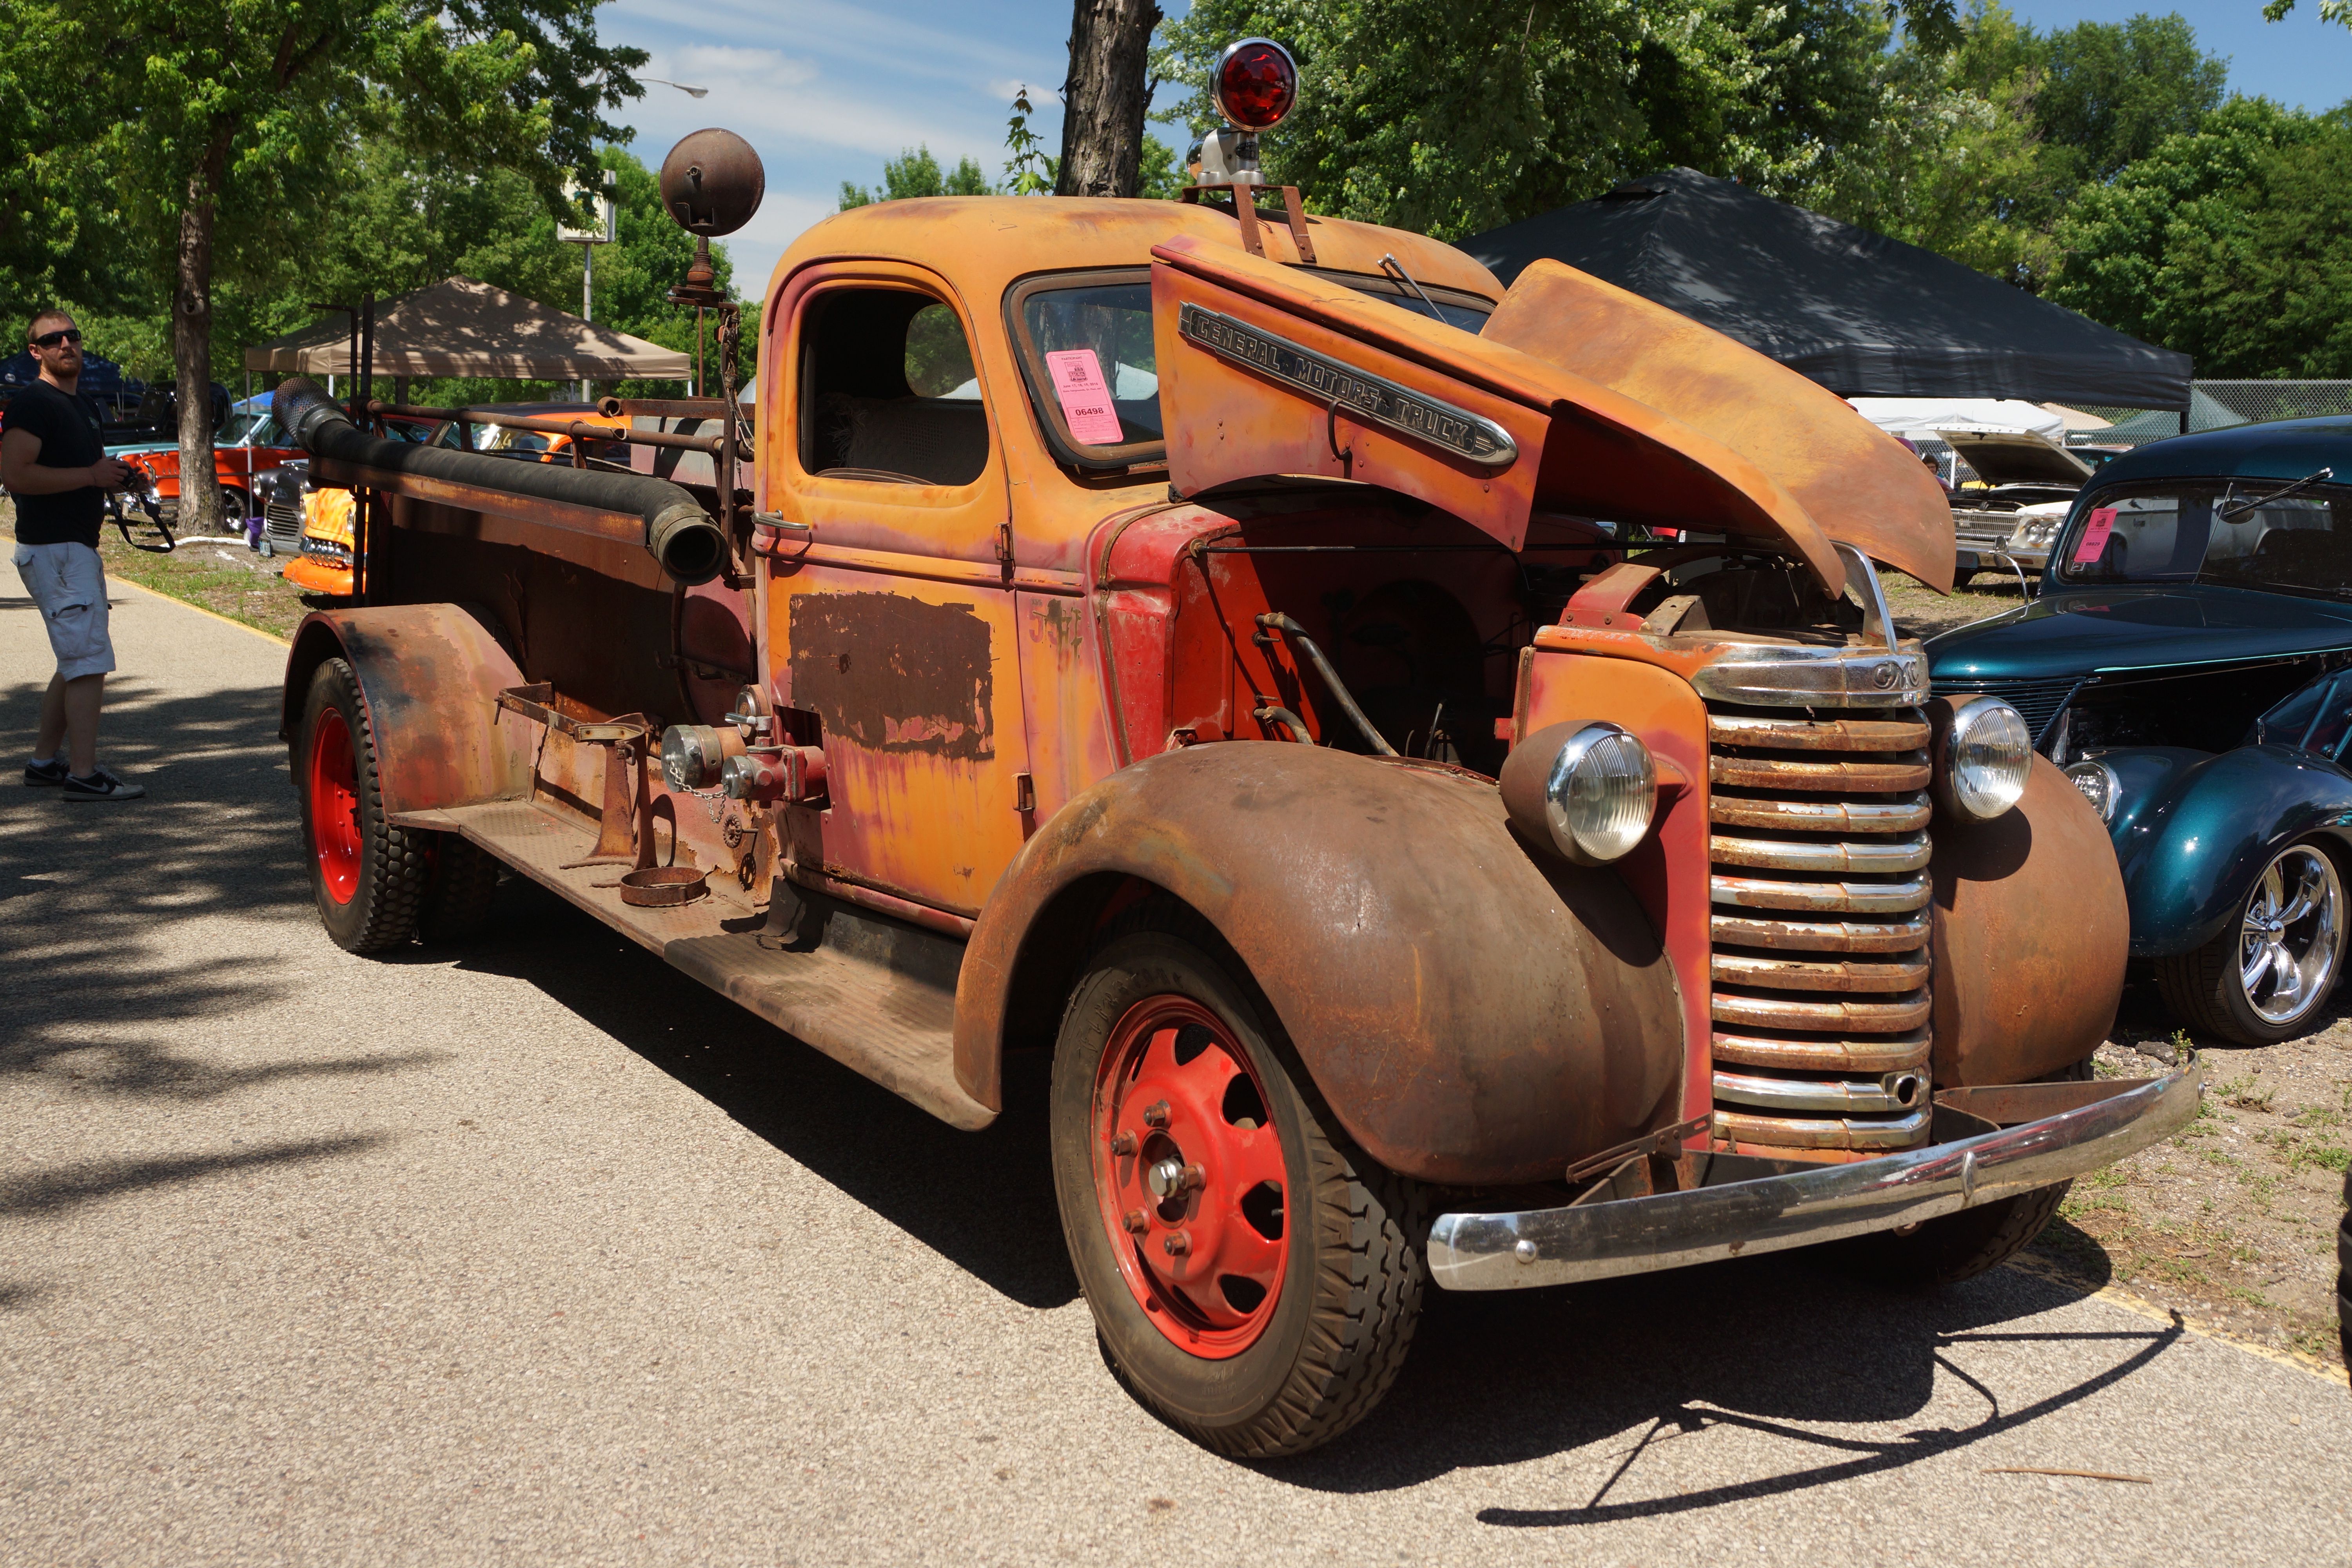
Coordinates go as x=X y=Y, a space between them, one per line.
x=461 y=327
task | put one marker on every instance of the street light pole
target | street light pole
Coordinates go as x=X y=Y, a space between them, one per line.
x=587 y=297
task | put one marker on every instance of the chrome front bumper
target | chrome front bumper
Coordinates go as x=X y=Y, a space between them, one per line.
x=1767 y=1214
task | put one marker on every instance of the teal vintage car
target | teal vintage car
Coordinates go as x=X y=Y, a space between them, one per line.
x=2189 y=663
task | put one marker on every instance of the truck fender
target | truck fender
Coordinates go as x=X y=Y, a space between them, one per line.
x=2206 y=831
x=430 y=676
x=2029 y=936
x=1472 y=1011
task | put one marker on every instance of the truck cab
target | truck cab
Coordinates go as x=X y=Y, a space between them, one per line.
x=1430 y=769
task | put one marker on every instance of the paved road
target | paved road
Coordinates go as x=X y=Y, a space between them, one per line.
x=536 y=1253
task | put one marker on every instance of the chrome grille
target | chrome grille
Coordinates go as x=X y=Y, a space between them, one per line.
x=1819 y=922
x=2037 y=701
x=283 y=523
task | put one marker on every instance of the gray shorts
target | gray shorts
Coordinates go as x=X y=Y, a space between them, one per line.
x=69 y=583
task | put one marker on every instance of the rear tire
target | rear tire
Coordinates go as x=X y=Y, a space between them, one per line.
x=457 y=901
x=1256 y=1343
x=2206 y=988
x=366 y=876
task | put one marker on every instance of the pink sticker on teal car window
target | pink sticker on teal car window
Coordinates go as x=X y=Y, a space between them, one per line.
x=2094 y=534
x=1085 y=399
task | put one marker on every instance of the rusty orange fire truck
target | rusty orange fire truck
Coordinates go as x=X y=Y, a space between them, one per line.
x=1233 y=652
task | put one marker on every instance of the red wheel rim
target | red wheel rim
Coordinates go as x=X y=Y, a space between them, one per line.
x=1189 y=1176
x=335 y=806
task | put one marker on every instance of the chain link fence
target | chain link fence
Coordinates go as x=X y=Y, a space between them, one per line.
x=2214 y=406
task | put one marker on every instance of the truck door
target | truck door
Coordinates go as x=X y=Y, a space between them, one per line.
x=894 y=632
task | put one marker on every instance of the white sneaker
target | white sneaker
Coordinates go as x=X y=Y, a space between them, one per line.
x=102 y=783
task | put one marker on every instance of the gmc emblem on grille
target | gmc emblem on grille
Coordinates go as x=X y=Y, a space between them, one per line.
x=1885 y=676
x=1373 y=399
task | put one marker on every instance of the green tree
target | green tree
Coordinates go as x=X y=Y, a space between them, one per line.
x=216 y=125
x=1454 y=120
x=915 y=172
x=2226 y=243
x=1160 y=178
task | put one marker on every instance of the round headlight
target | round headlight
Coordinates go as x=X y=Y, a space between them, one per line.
x=2099 y=786
x=1988 y=752
x=1600 y=794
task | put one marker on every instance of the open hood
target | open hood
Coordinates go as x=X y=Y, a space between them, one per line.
x=2016 y=457
x=1265 y=369
x=1857 y=484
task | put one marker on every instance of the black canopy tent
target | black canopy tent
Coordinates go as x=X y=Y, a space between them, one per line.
x=1860 y=313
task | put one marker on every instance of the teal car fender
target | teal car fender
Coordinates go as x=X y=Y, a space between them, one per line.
x=2192 y=831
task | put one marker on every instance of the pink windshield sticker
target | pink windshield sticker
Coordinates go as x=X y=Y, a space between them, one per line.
x=1086 y=401
x=2094 y=534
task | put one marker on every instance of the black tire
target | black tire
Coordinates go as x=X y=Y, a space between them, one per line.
x=237 y=507
x=1960 y=1246
x=376 y=905
x=1335 y=1332
x=457 y=901
x=2202 y=988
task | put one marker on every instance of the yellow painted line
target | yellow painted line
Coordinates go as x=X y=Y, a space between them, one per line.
x=2141 y=1306
x=170 y=599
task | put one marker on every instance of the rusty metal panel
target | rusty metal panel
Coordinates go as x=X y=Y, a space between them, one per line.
x=430 y=674
x=1856 y=484
x=1314 y=374
x=1667 y=871
x=2032 y=934
x=917 y=685
x=1472 y=1012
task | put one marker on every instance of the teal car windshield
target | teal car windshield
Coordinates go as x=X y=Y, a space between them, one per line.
x=2204 y=531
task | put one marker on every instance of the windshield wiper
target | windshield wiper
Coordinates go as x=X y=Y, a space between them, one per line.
x=1395 y=269
x=2236 y=509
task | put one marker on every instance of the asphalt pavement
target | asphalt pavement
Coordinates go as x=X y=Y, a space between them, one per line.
x=535 y=1252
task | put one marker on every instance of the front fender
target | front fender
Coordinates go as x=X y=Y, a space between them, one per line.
x=2204 y=831
x=1471 y=1011
x=2029 y=937
x=430 y=676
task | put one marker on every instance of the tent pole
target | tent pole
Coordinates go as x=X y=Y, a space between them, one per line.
x=587 y=297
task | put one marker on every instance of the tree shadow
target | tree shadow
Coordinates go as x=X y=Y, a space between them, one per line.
x=87 y=888
x=44 y=1194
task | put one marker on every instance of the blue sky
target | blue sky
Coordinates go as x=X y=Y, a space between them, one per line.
x=827 y=90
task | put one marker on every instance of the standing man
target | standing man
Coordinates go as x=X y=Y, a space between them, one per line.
x=53 y=461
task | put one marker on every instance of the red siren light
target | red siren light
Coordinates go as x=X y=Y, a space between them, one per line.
x=1256 y=83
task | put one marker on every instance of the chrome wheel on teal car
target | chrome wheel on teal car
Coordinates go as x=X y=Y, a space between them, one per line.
x=2265 y=976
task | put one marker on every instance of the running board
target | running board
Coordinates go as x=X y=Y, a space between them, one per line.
x=875 y=995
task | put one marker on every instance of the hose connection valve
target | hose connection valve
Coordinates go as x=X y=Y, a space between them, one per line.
x=789 y=774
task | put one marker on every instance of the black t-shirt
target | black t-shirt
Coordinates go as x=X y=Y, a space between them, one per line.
x=70 y=432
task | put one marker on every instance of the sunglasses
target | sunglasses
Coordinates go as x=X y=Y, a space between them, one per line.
x=51 y=339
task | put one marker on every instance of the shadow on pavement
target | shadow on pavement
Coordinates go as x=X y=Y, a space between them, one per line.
x=982 y=1200
x=1765 y=1344
x=86 y=887
x=44 y=1194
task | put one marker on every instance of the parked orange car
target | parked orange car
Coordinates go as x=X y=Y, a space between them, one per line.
x=247 y=453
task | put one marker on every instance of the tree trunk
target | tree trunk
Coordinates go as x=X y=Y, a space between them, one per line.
x=1104 y=100
x=191 y=337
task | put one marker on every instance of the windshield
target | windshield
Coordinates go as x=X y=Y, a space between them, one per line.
x=1103 y=372
x=250 y=429
x=1089 y=350
x=2171 y=532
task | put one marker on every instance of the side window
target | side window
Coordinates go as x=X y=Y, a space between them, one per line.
x=889 y=392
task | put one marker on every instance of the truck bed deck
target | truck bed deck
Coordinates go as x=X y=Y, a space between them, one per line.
x=874 y=993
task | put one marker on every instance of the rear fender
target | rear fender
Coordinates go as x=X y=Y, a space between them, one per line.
x=2198 y=833
x=1471 y=1011
x=430 y=676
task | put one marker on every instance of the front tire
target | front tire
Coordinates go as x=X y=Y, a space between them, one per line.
x=366 y=876
x=1254 y=1279
x=2268 y=974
